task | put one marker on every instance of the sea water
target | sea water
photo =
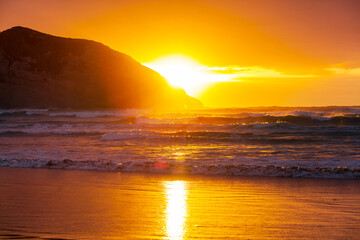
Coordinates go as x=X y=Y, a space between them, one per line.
x=319 y=142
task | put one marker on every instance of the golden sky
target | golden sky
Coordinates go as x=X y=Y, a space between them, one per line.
x=263 y=52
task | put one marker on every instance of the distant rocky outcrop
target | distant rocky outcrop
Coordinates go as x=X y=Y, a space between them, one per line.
x=38 y=70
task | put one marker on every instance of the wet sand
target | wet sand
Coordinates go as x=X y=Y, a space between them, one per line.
x=73 y=204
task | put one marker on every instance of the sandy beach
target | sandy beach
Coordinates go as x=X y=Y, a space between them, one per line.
x=73 y=204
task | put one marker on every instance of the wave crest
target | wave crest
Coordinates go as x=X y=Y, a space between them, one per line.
x=183 y=168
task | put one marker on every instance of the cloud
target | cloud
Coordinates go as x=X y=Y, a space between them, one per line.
x=345 y=71
x=252 y=72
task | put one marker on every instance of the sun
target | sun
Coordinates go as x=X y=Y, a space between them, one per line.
x=184 y=72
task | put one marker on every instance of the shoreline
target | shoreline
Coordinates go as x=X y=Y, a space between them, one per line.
x=281 y=172
x=179 y=174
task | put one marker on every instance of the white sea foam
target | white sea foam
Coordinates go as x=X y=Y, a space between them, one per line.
x=196 y=168
x=96 y=114
x=321 y=118
x=120 y=136
x=127 y=135
x=306 y=113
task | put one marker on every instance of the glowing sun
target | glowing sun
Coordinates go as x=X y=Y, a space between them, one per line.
x=184 y=72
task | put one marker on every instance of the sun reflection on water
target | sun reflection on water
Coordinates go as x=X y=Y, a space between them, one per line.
x=176 y=210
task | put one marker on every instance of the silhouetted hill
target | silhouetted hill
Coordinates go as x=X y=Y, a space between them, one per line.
x=38 y=70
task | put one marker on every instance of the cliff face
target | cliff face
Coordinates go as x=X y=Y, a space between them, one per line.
x=38 y=70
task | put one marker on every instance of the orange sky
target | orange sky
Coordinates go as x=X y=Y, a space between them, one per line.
x=302 y=52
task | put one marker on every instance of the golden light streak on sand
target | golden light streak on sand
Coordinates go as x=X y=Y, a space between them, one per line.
x=176 y=210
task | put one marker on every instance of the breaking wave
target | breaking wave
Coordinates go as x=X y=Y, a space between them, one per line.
x=183 y=168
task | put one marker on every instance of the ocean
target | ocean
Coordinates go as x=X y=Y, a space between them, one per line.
x=299 y=142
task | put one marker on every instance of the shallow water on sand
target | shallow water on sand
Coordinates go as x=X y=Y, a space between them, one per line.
x=73 y=204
